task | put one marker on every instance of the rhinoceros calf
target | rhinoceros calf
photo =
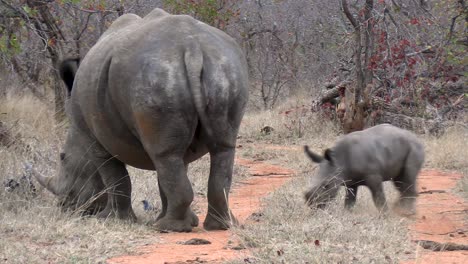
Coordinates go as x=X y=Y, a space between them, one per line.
x=155 y=93
x=369 y=157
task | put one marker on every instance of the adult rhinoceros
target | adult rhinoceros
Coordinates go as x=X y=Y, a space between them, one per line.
x=154 y=93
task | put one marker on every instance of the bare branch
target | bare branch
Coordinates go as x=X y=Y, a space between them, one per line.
x=426 y=49
x=350 y=17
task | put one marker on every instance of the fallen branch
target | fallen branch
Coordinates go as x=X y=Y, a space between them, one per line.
x=436 y=246
x=450 y=107
x=329 y=95
x=377 y=103
x=425 y=50
x=334 y=92
x=433 y=191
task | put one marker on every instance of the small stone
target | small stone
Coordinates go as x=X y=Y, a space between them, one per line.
x=195 y=241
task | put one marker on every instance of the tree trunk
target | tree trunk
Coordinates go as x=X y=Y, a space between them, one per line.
x=354 y=116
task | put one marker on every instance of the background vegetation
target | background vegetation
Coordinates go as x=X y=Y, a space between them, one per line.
x=318 y=69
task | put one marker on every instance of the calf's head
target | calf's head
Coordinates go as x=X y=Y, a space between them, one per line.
x=326 y=183
x=78 y=183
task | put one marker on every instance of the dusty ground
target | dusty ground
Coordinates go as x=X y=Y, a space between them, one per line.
x=442 y=221
x=245 y=200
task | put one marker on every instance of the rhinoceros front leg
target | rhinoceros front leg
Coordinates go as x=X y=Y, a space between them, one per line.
x=219 y=184
x=176 y=195
x=351 y=195
x=119 y=188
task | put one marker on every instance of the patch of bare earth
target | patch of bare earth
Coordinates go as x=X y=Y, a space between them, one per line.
x=441 y=227
x=201 y=246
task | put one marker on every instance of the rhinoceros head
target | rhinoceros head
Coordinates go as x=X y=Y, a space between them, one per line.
x=326 y=183
x=78 y=183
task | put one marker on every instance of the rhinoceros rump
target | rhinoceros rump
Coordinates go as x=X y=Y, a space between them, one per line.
x=369 y=157
x=155 y=93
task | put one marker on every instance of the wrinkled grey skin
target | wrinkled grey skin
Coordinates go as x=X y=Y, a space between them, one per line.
x=369 y=157
x=155 y=93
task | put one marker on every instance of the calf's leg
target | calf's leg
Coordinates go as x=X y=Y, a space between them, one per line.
x=406 y=183
x=351 y=195
x=374 y=182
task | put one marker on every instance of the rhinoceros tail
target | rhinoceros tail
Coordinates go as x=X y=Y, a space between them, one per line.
x=194 y=66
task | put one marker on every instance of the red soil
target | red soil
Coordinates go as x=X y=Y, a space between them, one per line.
x=442 y=217
x=245 y=199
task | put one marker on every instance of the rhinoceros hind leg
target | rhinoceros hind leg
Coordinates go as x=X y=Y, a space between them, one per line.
x=406 y=184
x=219 y=217
x=407 y=200
x=213 y=222
x=163 y=202
x=176 y=194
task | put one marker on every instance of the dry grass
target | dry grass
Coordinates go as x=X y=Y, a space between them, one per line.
x=292 y=123
x=33 y=229
x=289 y=232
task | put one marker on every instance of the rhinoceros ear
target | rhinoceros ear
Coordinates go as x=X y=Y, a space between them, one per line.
x=328 y=154
x=313 y=156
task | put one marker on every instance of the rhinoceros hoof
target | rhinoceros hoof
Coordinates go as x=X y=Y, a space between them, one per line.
x=127 y=215
x=171 y=225
x=194 y=217
x=217 y=223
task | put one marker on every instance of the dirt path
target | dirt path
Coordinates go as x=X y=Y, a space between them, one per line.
x=442 y=220
x=245 y=200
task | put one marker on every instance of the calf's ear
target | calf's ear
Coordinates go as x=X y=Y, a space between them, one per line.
x=328 y=154
x=313 y=156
